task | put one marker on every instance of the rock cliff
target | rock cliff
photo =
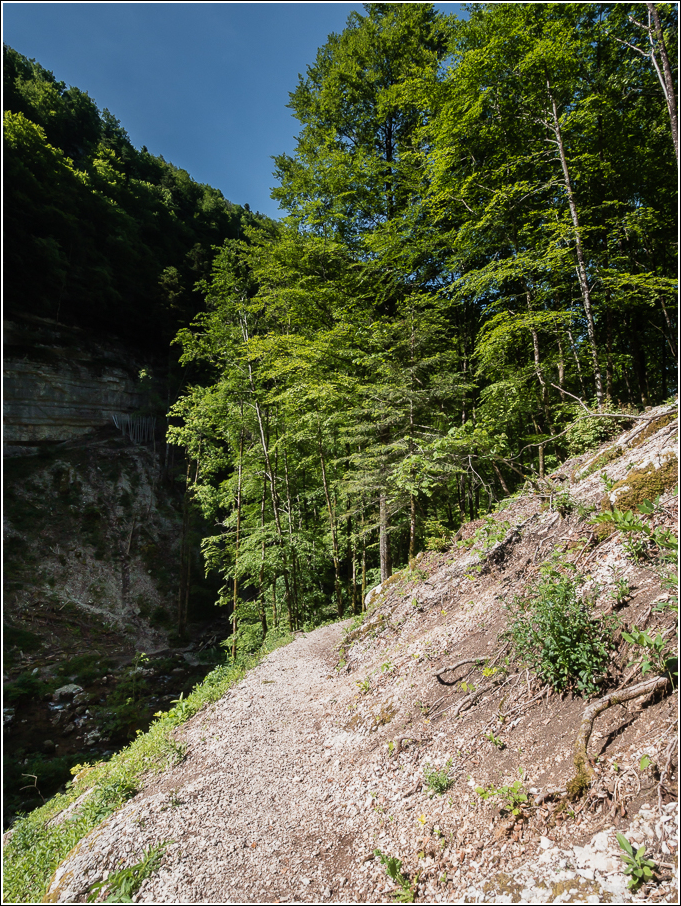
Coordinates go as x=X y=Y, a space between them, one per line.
x=61 y=383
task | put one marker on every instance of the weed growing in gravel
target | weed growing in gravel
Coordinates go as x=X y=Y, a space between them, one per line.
x=555 y=633
x=393 y=866
x=438 y=781
x=657 y=656
x=512 y=796
x=499 y=743
x=125 y=883
x=640 y=868
x=35 y=848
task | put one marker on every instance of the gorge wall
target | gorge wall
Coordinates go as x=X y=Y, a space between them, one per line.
x=62 y=382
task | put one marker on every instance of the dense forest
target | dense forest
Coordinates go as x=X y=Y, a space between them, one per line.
x=480 y=229
x=97 y=233
x=479 y=232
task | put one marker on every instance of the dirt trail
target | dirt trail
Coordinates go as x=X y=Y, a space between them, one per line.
x=322 y=754
x=247 y=809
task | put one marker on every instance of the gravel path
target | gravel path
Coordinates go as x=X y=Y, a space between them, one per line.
x=299 y=774
x=246 y=810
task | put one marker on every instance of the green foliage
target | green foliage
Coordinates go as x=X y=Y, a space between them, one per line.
x=638 y=867
x=90 y=214
x=123 y=884
x=586 y=434
x=657 y=654
x=554 y=632
x=511 y=796
x=406 y=889
x=641 y=538
x=495 y=740
x=85 y=668
x=27 y=685
x=438 y=780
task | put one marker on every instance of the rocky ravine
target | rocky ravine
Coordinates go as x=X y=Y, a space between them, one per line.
x=321 y=754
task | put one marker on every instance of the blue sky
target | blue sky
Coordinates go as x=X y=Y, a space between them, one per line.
x=204 y=84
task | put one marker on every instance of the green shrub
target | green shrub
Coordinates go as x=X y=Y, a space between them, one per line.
x=27 y=685
x=556 y=634
x=438 y=781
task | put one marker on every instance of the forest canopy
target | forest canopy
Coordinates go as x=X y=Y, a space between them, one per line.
x=98 y=233
x=479 y=231
x=480 y=228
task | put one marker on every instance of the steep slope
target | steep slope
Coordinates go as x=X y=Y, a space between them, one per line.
x=420 y=732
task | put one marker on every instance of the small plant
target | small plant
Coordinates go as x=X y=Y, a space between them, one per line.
x=512 y=796
x=640 y=537
x=640 y=868
x=124 y=884
x=364 y=685
x=657 y=656
x=644 y=763
x=387 y=667
x=622 y=590
x=499 y=743
x=393 y=868
x=490 y=671
x=563 y=502
x=438 y=781
x=607 y=482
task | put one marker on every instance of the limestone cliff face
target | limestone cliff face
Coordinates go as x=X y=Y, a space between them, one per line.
x=61 y=383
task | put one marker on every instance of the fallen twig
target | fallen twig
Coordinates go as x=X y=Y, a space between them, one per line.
x=473 y=697
x=470 y=660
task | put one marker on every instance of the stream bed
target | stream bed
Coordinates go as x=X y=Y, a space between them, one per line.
x=54 y=720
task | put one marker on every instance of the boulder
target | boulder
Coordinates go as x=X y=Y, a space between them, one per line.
x=64 y=693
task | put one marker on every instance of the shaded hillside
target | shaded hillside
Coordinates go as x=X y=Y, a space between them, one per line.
x=93 y=535
x=99 y=233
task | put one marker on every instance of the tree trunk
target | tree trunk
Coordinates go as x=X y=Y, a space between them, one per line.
x=261 y=578
x=364 y=561
x=671 y=337
x=384 y=541
x=238 y=535
x=332 y=524
x=608 y=362
x=270 y=475
x=184 y=559
x=275 y=616
x=501 y=478
x=581 y=266
x=577 y=362
x=561 y=369
x=666 y=80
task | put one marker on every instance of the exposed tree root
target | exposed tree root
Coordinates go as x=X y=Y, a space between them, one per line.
x=580 y=782
x=613 y=698
x=469 y=660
